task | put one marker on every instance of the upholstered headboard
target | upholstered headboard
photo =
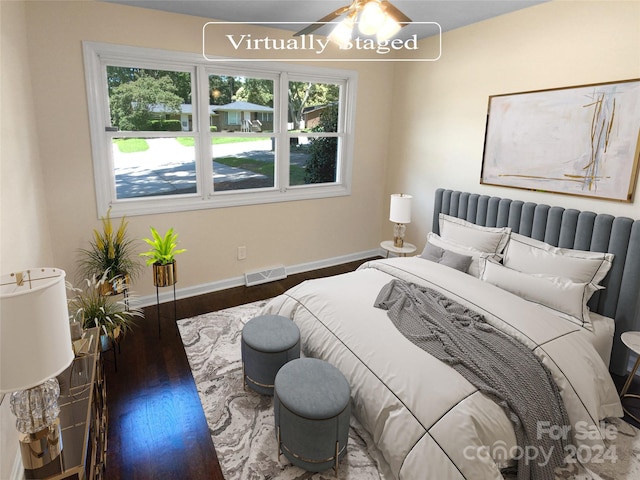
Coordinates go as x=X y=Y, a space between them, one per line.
x=567 y=228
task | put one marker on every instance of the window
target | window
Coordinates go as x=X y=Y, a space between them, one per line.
x=172 y=131
x=313 y=132
x=233 y=118
x=146 y=110
x=265 y=116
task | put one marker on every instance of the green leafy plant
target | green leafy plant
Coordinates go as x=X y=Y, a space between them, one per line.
x=321 y=166
x=163 y=248
x=110 y=253
x=92 y=309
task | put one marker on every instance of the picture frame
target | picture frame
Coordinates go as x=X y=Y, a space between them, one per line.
x=582 y=140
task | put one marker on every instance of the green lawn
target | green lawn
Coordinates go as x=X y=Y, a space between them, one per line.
x=296 y=175
x=131 y=145
x=190 y=142
x=256 y=166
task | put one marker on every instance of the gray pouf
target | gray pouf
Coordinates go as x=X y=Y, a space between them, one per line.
x=312 y=409
x=268 y=342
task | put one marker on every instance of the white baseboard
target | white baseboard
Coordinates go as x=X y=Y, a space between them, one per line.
x=166 y=294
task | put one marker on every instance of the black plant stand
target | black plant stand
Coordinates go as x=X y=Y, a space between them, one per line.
x=110 y=344
x=158 y=307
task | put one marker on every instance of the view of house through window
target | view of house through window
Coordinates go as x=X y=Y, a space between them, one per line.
x=245 y=105
x=155 y=102
x=189 y=130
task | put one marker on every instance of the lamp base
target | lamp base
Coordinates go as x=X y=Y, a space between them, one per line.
x=398 y=235
x=42 y=448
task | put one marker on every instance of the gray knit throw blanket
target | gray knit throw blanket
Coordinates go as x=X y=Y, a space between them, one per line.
x=496 y=364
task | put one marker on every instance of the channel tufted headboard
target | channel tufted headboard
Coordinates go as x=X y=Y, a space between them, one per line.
x=567 y=228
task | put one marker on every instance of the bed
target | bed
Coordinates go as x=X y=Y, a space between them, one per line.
x=424 y=416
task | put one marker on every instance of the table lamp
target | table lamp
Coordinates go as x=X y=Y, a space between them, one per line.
x=35 y=347
x=400 y=214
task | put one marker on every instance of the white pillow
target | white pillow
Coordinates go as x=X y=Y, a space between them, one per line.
x=485 y=239
x=460 y=249
x=565 y=297
x=533 y=256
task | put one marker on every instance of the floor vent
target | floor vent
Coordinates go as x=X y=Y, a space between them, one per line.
x=265 y=276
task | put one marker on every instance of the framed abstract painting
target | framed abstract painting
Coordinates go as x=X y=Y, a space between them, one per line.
x=581 y=140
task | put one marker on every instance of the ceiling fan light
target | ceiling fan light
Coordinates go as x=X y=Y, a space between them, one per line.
x=388 y=29
x=372 y=18
x=341 y=34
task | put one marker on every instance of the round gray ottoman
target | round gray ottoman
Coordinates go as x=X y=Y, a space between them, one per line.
x=312 y=409
x=268 y=342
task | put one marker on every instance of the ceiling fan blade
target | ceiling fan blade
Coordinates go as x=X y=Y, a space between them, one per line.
x=395 y=12
x=327 y=18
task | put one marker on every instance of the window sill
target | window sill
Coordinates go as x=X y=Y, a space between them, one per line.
x=181 y=203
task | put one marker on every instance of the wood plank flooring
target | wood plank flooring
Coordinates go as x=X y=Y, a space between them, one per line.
x=157 y=429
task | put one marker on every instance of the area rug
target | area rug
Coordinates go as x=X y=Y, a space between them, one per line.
x=241 y=421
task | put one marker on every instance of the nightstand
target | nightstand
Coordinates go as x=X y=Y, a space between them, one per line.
x=632 y=341
x=403 y=251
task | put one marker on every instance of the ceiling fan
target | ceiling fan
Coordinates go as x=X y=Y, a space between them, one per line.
x=375 y=17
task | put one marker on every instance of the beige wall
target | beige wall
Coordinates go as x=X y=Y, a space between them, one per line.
x=24 y=236
x=289 y=233
x=24 y=233
x=557 y=44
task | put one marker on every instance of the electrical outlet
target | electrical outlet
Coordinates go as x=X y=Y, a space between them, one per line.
x=242 y=252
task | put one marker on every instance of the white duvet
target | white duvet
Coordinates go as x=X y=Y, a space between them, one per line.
x=425 y=418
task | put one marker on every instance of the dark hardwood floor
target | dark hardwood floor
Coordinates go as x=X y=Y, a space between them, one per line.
x=157 y=429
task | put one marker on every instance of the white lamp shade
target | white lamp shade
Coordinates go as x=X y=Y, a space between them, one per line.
x=400 y=211
x=35 y=339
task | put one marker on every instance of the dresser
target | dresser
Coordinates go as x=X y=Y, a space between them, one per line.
x=83 y=417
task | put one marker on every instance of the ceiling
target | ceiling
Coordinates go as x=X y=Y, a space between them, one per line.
x=449 y=14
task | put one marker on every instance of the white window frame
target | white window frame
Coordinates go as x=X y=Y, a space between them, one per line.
x=98 y=55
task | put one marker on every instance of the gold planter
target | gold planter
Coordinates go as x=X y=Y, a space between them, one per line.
x=165 y=275
x=115 y=285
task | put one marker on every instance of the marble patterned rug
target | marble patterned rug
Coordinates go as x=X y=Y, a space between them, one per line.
x=241 y=421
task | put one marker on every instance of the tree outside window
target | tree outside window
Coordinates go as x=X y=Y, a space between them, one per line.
x=253 y=134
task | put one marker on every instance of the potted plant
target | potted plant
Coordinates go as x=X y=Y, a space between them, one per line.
x=93 y=309
x=110 y=258
x=162 y=257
